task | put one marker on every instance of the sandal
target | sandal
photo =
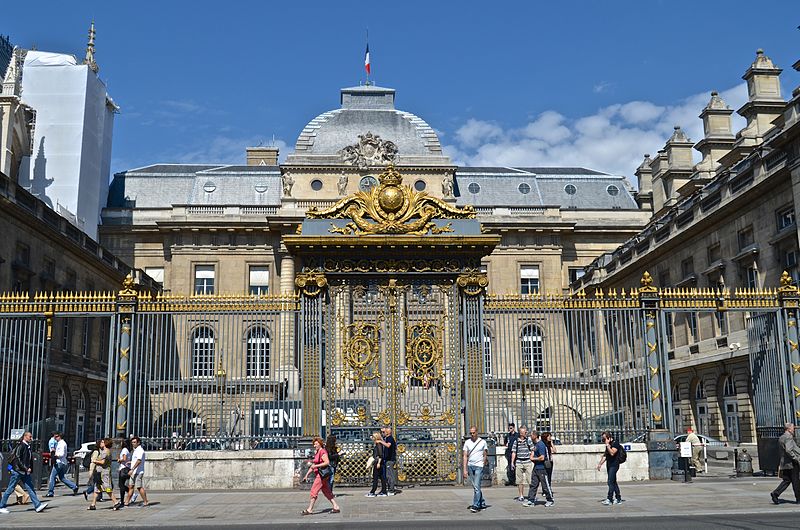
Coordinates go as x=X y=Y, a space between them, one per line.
x=336 y=511
x=91 y=507
x=306 y=512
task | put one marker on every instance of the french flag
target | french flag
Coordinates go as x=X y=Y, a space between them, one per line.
x=366 y=61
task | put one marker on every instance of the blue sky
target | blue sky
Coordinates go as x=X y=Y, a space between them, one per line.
x=595 y=84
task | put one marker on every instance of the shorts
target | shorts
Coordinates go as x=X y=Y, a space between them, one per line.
x=136 y=481
x=524 y=470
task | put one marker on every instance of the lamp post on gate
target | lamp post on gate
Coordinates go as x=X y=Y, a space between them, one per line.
x=524 y=377
x=220 y=375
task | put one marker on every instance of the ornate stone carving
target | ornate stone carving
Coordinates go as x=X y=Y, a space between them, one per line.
x=447 y=186
x=369 y=151
x=311 y=283
x=341 y=184
x=473 y=282
x=391 y=208
x=288 y=182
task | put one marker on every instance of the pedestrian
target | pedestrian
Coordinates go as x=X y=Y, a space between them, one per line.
x=390 y=460
x=60 y=467
x=547 y=438
x=320 y=465
x=92 y=480
x=511 y=437
x=476 y=456
x=21 y=463
x=539 y=474
x=102 y=464
x=136 y=480
x=377 y=467
x=521 y=461
x=611 y=459
x=789 y=464
x=333 y=456
x=124 y=471
x=697 y=448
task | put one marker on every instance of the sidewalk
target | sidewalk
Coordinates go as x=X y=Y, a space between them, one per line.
x=705 y=496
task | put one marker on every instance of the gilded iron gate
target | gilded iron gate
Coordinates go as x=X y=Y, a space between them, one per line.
x=393 y=361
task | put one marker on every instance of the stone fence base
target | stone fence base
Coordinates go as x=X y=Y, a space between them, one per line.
x=578 y=463
x=281 y=468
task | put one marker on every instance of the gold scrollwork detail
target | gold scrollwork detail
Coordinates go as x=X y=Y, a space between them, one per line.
x=402 y=477
x=424 y=356
x=361 y=352
x=401 y=448
x=647 y=284
x=403 y=417
x=128 y=286
x=787 y=285
x=337 y=418
x=383 y=418
x=391 y=208
x=361 y=412
x=451 y=448
x=473 y=283
x=425 y=414
x=311 y=283
x=448 y=417
x=451 y=475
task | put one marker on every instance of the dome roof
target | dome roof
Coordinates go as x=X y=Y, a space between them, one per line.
x=367 y=109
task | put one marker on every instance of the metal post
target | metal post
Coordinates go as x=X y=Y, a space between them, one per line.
x=524 y=376
x=790 y=299
x=126 y=307
x=656 y=365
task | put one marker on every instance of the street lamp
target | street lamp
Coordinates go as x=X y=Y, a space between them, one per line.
x=524 y=376
x=220 y=375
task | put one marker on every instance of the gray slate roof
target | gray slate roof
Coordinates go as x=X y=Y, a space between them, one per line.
x=165 y=185
x=504 y=186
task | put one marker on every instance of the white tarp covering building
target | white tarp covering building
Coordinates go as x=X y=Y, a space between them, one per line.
x=71 y=160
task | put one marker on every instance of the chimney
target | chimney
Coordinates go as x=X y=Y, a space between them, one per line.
x=262 y=156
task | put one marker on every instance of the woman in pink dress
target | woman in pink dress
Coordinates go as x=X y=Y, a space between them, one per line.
x=321 y=467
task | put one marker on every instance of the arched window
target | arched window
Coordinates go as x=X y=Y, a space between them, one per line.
x=676 y=394
x=61 y=411
x=99 y=405
x=532 y=351
x=258 y=352
x=729 y=388
x=487 y=353
x=203 y=352
x=700 y=391
x=80 y=420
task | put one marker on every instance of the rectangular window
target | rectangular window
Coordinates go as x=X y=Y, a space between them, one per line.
x=529 y=279
x=663 y=279
x=204 y=279
x=575 y=274
x=745 y=237
x=722 y=322
x=66 y=335
x=71 y=281
x=785 y=218
x=790 y=264
x=23 y=254
x=751 y=277
x=687 y=267
x=669 y=328
x=50 y=268
x=714 y=253
x=156 y=273
x=259 y=280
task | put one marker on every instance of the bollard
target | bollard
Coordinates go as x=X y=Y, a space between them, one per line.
x=744 y=464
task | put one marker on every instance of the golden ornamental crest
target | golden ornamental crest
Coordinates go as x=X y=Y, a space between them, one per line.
x=391 y=208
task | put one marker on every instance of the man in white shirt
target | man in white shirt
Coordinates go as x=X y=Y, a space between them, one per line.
x=60 y=467
x=476 y=456
x=136 y=482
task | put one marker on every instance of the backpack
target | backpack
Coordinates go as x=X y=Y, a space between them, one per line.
x=87 y=460
x=622 y=454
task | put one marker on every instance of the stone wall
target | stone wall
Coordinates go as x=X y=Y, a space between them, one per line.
x=206 y=470
x=578 y=463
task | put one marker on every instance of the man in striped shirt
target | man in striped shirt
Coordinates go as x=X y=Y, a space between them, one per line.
x=521 y=461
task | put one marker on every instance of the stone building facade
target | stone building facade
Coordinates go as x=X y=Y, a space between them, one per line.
x=217 y=228
x=728 y=222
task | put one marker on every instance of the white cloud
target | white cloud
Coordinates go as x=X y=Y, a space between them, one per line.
x=475 y=131
x=613 y=139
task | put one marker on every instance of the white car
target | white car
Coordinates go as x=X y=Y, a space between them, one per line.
x=86 y=448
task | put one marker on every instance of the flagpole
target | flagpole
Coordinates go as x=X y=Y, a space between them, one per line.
x=367 y=66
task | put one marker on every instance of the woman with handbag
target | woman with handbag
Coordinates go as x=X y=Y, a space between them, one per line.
x=321 y=467
x=124 y=460
x=374 y=464
x=103 y=473
x=333 y=456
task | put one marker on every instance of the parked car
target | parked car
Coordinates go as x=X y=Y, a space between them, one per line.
x=86 y=448
x=714 y=448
